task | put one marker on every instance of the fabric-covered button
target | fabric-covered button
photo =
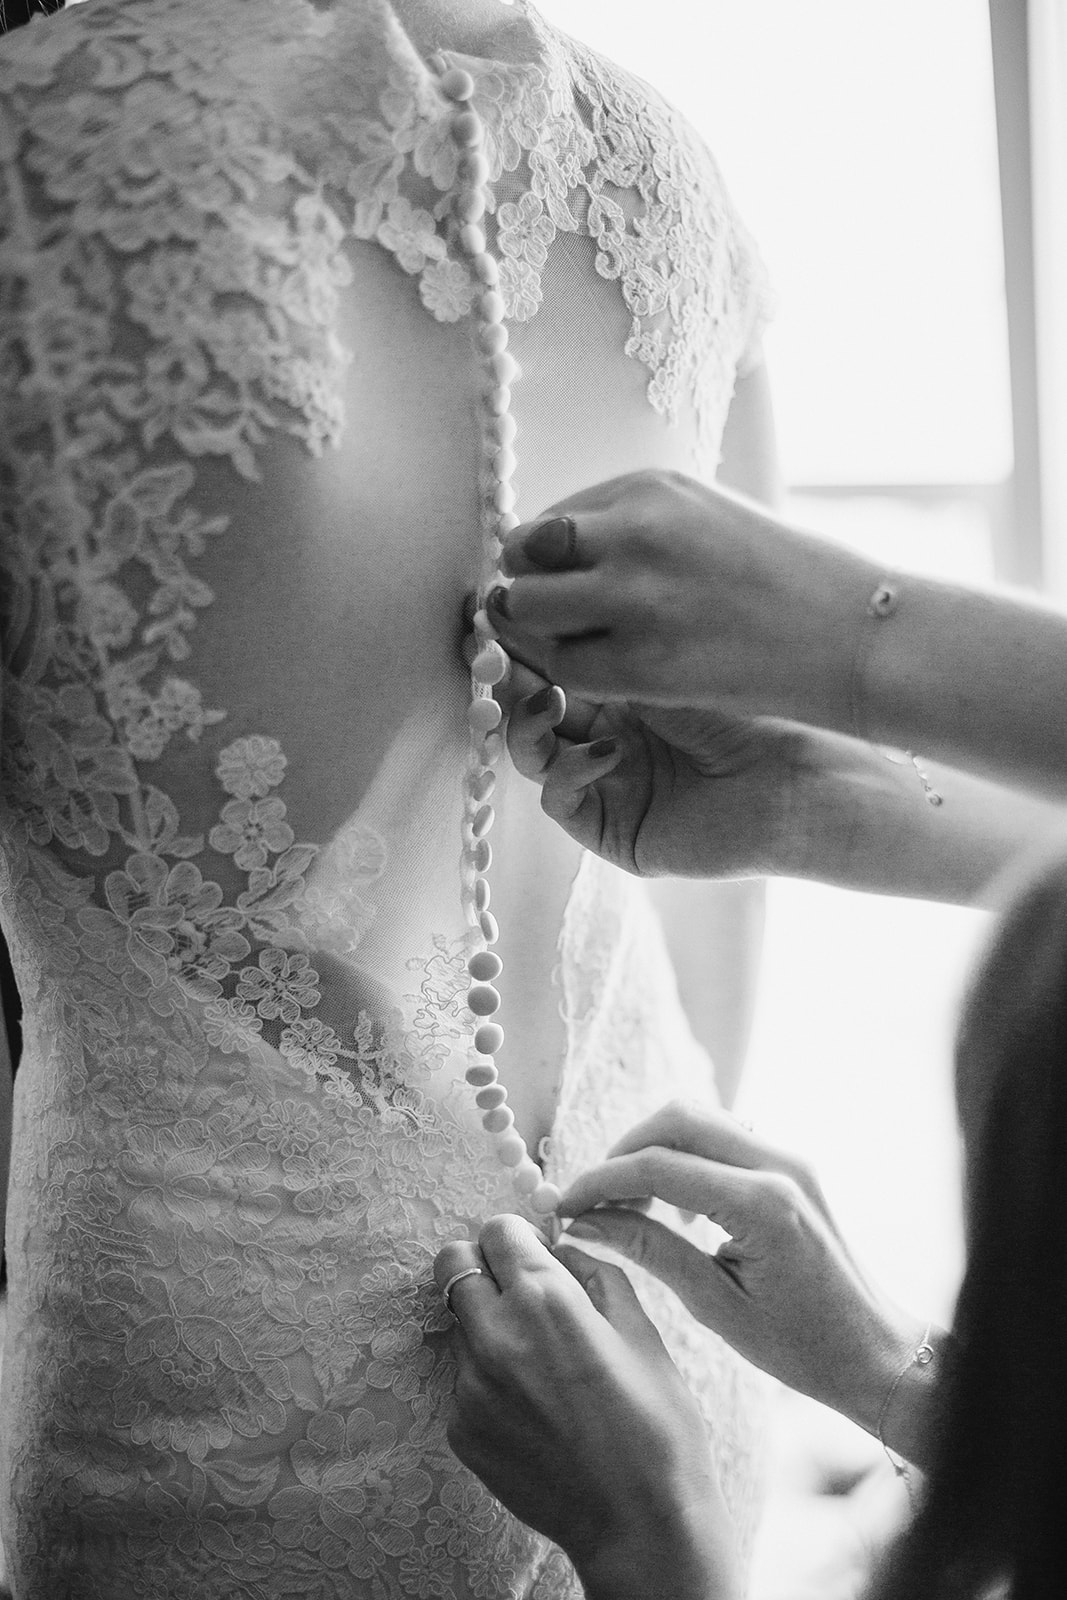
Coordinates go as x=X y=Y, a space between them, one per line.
x=484 y=966
x=488 y=1039
x=482 y=821
x=472 y=169
x=466 y=129
x=492 y=340
x=499 y=1120
x=484 y=714
x=505 y=370
x=481 y=1074
x=469 y=207
x=528 y=1178
x=485 y=269
x=472 y=239
x=503 y=429
x=481 y=855
x=483 y=1000
x=510 y=1148
x=545 y=1198
x=457 y=84
x=490 y=665
x=491 y=305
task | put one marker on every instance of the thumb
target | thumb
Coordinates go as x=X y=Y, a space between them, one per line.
x=695 y=1276
x=612 y=1294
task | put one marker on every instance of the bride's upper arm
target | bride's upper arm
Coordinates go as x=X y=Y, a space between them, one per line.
x=749 y=459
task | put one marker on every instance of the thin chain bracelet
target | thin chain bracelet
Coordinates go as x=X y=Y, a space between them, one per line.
x=921 y=1356
x=933 y=796
x=489 y=663
x=882 y=604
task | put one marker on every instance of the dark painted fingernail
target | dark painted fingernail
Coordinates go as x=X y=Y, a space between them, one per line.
x=497 y=601
x=552 y=544
x=600 y=749
x=540 y=701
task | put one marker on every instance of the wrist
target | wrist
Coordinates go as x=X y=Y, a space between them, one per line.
x=690 y=1556
x=974 y=678
x=821 y=627
x=850 y=816
x=898 y=680
x=821 y=805
x=895 y=1395
x=907 y=1422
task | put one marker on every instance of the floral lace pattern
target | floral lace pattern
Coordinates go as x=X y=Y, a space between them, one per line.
x=236 y=1151
x=594 y=152
x=629 y=173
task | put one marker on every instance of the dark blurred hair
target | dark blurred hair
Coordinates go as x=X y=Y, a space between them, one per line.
x=995 y=1504
x=13 y=13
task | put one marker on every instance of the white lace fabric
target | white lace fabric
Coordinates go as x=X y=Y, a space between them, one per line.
x=238 y=474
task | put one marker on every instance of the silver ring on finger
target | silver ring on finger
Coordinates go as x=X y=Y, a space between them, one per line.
x=457 y=1277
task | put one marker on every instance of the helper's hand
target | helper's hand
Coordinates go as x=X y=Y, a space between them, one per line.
x=657 y=588
x=658 y=792
x=784 y=1290
x=571 y=1411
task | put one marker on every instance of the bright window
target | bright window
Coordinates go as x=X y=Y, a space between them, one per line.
x=859 y=143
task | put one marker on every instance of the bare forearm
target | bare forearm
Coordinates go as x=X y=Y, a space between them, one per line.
x=975 y=678
x=699 y=1563
x=895 y=1386
x=862 y=821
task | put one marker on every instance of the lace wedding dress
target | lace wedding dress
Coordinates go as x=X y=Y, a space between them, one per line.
x=239 y=470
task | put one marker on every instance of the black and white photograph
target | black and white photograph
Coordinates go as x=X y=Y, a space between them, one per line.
x=533 y=799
